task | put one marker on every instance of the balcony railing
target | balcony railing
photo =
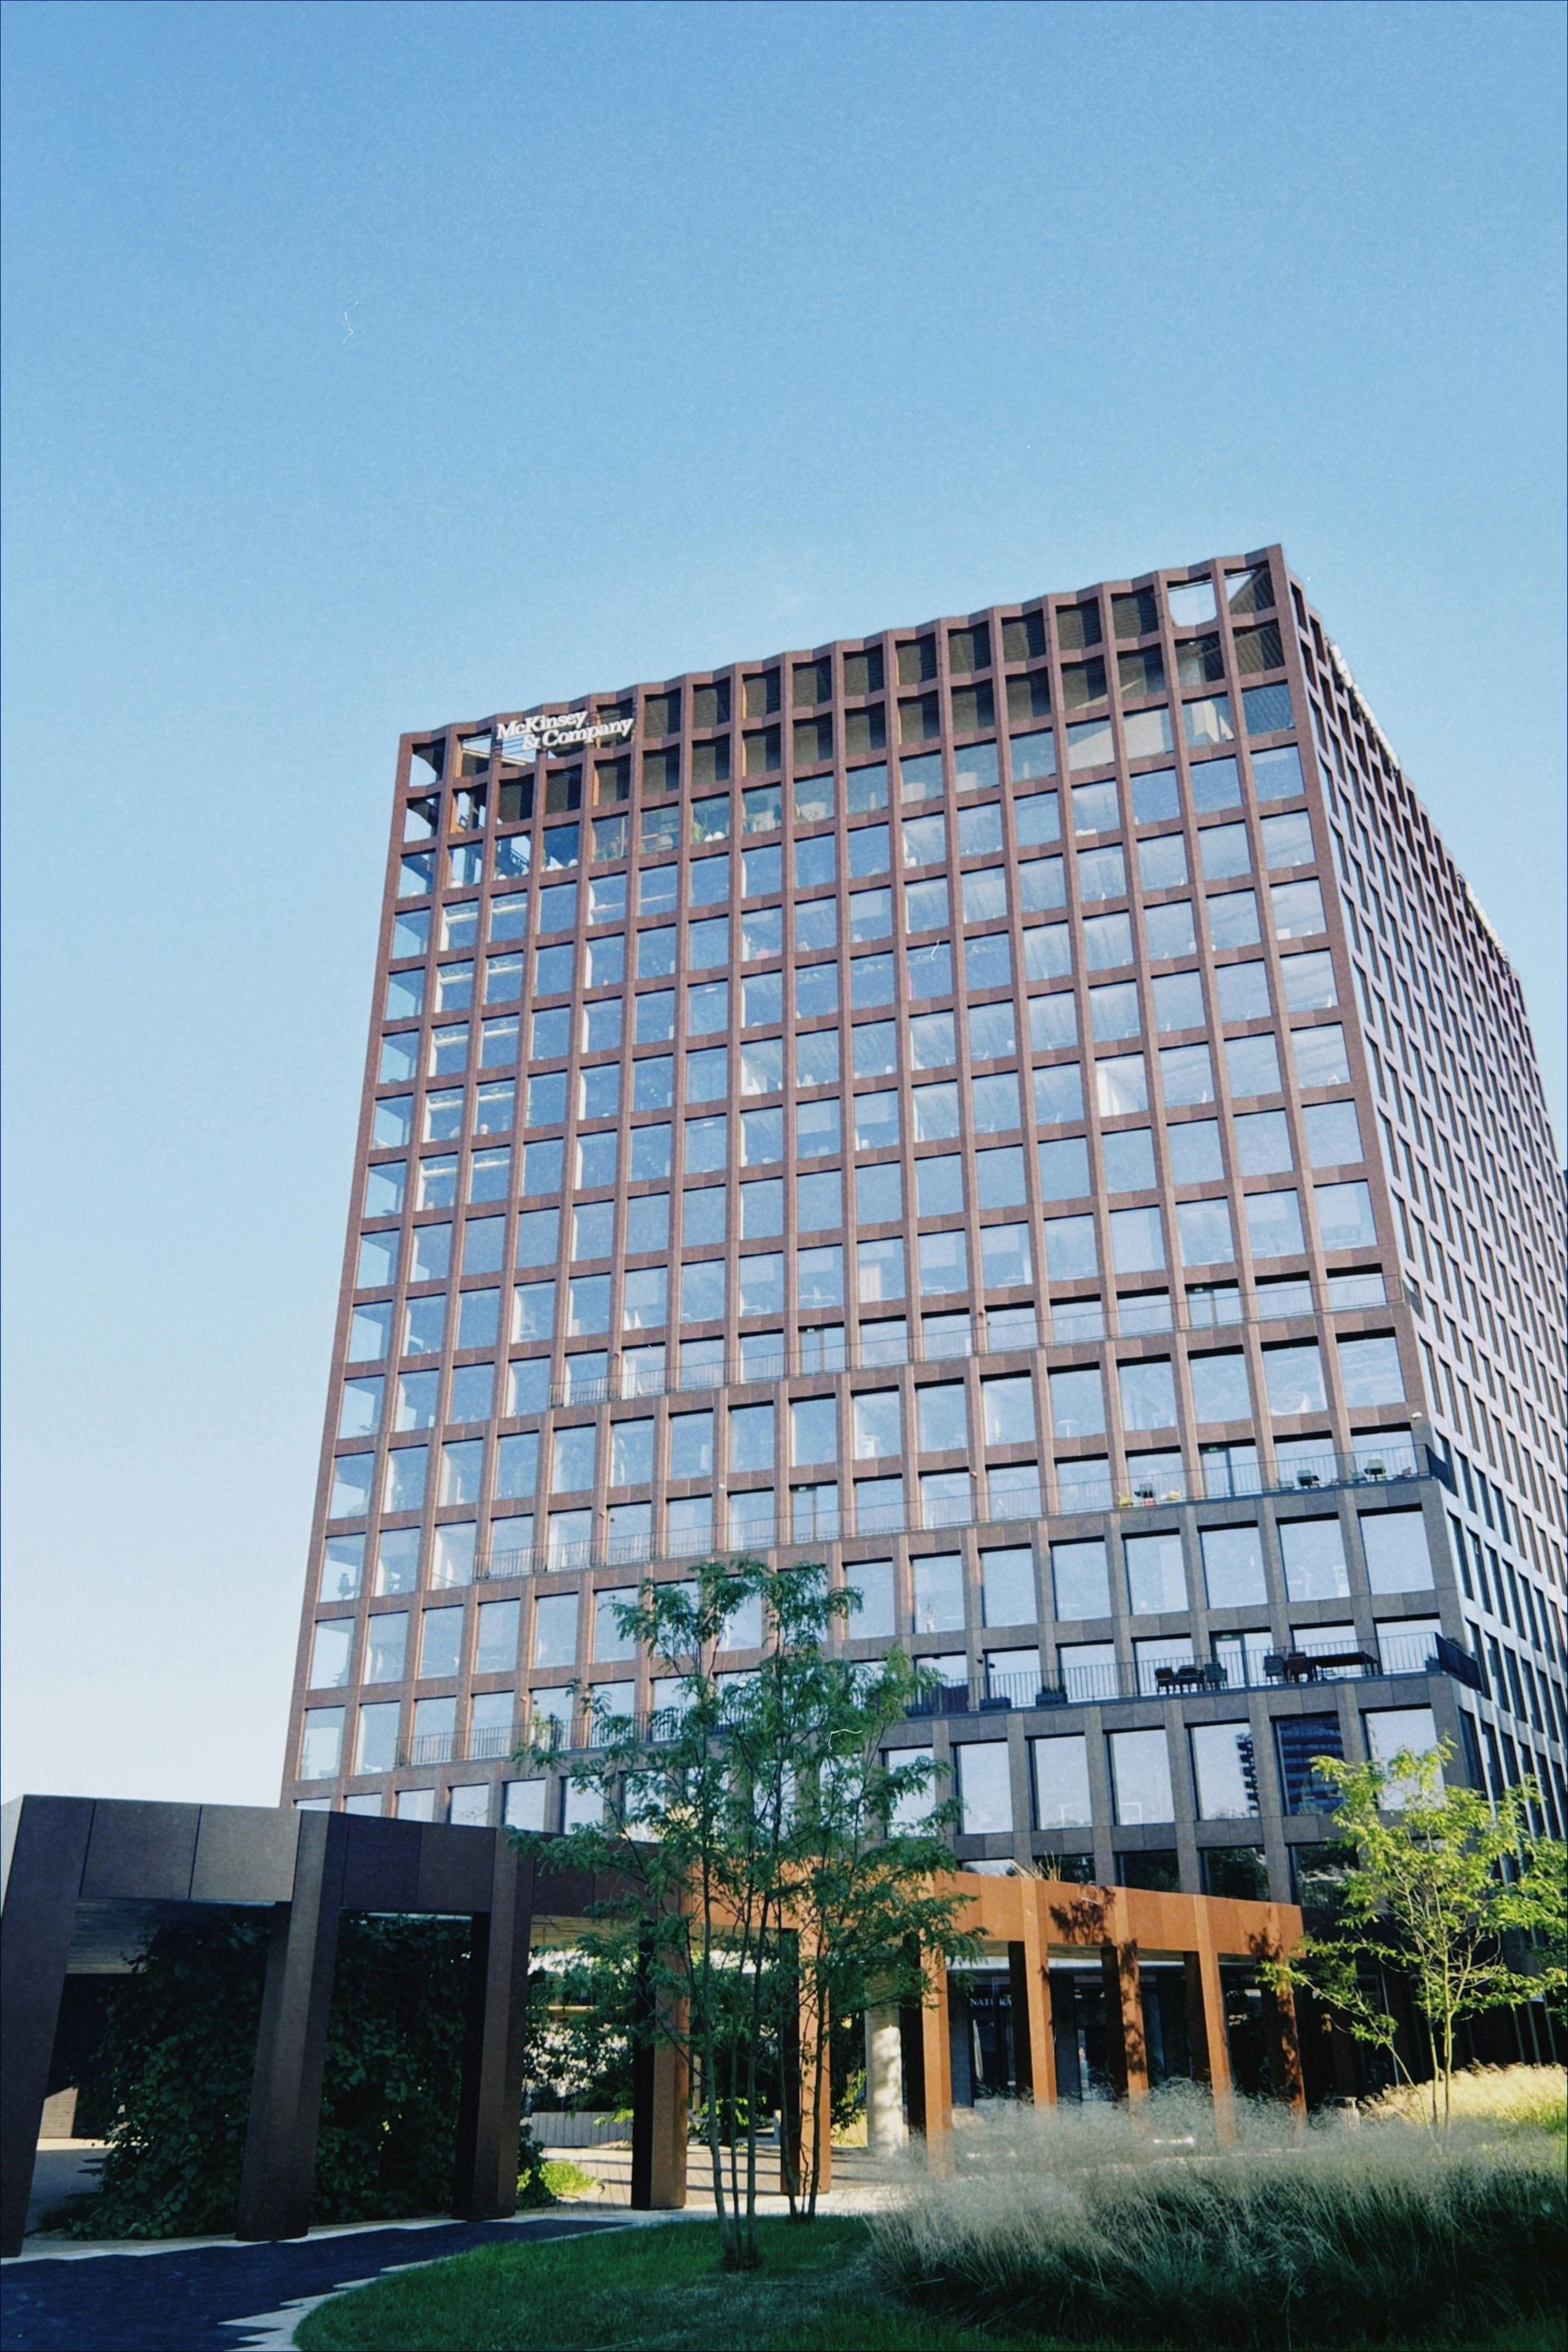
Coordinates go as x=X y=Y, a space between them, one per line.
x=997 y=1330
x=1099 y=1685
x=442 y=1747
x=1396 y=1463
x=1401 y=1656
x=429 y=1748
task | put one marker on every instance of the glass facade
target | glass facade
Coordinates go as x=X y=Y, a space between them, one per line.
x=910 y=1104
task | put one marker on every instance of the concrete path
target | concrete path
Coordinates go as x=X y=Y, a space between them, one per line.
x=216 y=2296
x=62 y=2169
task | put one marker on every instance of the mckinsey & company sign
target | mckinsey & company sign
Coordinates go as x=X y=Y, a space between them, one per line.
x=562 y=731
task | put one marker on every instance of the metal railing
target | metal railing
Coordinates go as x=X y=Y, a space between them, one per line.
x=1400 y=1656
x=429 y=1748
x=1395 y=1464
x=997 y=1330
x=1097 y=1686
x=442 y=1747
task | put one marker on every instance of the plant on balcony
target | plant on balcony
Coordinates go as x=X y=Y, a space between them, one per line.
x=764 y=1881
x=1435 y=1886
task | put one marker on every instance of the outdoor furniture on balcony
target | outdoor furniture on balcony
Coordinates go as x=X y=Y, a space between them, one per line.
x=947 y=1699
x=1193 y=1675
x=1310 y=1665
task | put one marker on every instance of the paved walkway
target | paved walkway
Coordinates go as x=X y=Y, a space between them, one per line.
x=220 y=2296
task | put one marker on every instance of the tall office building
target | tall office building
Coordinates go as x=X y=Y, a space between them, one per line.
x=1024 y=1107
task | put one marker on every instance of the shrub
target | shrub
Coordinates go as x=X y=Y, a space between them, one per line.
x=544 y=2179
x=1133 y=2226
x=1515 y=2097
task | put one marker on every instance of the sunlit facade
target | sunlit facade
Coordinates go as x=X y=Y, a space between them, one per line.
x=1024 y=1109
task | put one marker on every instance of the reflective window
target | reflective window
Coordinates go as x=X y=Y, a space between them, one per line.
x=555 y=1629
x=1202 y=1229
x=875 y=1423
x=1398 y=1556
x=1225 y=1771
x=1148 y=1394
x=1140 y=1776
x=1314 y=1556
x=938 y=1579
x=1156 y=1579
x=1334 y=1139
x=1369 y=1371
x=1219 y=1387
x=1233 y=1567
x=1295 y=1379
x=1082 y=1579
x=1321 y=1055
x=1061 y=1782
x=984 y=1787
x=1344 y=1212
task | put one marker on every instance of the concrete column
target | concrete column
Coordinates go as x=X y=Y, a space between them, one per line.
x=885 y=2128
x=43 y=1877
x=491 y=2104
x=291 y=2047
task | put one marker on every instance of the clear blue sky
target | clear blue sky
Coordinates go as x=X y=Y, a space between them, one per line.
x=673 y=334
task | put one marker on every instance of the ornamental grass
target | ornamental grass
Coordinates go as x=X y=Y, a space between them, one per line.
x=1136 y=2226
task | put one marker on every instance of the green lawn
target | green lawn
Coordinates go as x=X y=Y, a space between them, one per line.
x=659 y=2290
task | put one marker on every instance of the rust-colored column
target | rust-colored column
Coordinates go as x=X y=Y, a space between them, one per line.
x=671 y=2092
x=1197 y=2020
x=815 y=2099
x=936 y=2070
x=1124 y=2019
x=805 y=2135
x=1282 y=2035
x=1034 y=2007
x=660 y=2091
x=1215 y=2041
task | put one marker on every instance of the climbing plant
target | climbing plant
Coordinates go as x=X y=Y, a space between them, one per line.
x=175 y=2065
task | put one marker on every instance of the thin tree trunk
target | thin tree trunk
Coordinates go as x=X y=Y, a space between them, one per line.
x=715 y=2150
x=824 y=2066
x=754 y=2041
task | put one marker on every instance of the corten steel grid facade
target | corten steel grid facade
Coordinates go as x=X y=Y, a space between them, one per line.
x=1025 y=1107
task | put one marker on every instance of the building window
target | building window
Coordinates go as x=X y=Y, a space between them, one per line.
x=1225 y=1772
x=984 y=1788
x=1301 y=1739
x=1140 y=1776
x=1399 y=1557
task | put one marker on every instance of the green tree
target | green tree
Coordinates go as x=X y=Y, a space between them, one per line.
x=753 y=1833
x=856 y=1891
x=1436 y=1887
